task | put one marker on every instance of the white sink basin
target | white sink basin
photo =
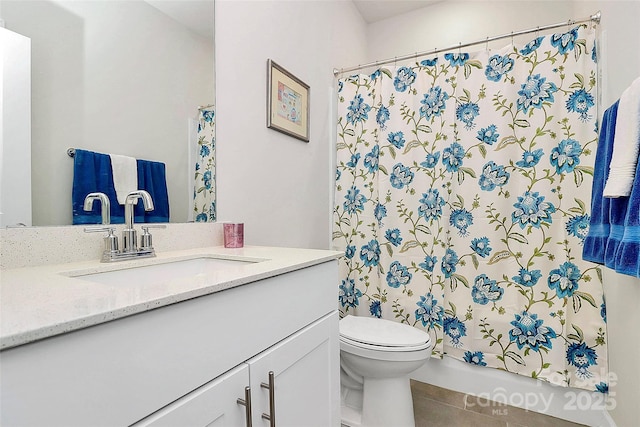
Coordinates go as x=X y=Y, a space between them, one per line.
x=157 y=274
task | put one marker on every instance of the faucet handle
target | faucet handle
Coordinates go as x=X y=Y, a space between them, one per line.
x=146 y=240
x=146 y=227
x=110 y=240
x=97 y=229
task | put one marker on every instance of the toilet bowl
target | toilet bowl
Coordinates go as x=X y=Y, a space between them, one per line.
x=376 y=358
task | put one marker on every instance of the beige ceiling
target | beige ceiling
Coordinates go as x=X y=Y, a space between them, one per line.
x=377 y=10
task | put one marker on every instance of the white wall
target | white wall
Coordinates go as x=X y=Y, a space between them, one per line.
x=448 y=23
x=110 y=76
x=15 y=129
x=451 y=22
x=280 y=187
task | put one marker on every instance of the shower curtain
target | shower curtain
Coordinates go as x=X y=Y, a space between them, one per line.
x=204 y=190
x=462 y=194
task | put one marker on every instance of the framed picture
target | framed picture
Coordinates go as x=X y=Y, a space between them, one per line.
x=287 y=102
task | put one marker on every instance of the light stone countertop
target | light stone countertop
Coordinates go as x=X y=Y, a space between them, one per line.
x=46 y=300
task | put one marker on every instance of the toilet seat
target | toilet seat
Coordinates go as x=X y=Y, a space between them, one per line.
x=382 y=347
x=382 y=335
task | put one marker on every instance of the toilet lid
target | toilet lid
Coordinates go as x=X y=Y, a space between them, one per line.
x=382 y=332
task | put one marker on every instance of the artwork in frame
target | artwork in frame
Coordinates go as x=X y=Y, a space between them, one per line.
x=287 y=102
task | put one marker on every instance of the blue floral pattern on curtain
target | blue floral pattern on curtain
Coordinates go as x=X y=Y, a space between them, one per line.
x=204 y=190
x=462 y=192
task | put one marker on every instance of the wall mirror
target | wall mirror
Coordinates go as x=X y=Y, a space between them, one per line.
x=115 y=77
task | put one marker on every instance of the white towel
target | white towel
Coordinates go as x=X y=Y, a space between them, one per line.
x=626 y=144
x=125 y=175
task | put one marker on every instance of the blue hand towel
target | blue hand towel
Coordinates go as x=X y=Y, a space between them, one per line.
x=599 y=223
x=627 y=257
x=152 y=178
x=617 y=213
x=92 y=173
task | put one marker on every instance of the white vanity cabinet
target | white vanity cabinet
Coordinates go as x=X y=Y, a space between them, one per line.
x=187 y=363
x=290 y=382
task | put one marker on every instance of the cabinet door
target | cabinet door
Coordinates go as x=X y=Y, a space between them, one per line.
x=214 y=404
x=305 y=381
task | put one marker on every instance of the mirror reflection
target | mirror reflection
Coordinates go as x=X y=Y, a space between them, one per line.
x=120 y=78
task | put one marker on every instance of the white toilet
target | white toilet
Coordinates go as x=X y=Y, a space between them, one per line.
x=376 y=358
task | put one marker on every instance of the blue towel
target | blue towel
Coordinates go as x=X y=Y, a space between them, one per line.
x=92 y=173
x=618 y=208
x=627 y=257
x=152 y=178
x=599 y=225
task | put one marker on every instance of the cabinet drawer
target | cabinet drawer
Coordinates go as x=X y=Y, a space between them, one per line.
x=118 y=372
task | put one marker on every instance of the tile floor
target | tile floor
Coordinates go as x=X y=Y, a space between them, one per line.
x=438 y=407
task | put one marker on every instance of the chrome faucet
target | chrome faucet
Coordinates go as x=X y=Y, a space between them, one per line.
x=130 y=247
x=105 y=206
x=129 y=240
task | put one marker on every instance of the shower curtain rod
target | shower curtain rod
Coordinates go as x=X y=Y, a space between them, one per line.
x=593 y=18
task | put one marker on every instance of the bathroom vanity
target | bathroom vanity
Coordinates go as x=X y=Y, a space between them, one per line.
x=251 y=333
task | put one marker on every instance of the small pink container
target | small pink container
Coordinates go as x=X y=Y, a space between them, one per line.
x=233 y=235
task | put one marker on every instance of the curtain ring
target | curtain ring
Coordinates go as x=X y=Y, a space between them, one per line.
x=511 y=37
x=487 y=44
x=537 y=31
x=459 y=47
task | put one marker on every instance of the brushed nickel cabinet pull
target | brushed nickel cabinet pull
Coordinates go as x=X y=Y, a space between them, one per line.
x=271 y=416
x=246 y=402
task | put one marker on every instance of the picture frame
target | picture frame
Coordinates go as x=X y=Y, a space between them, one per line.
x=287 y=102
